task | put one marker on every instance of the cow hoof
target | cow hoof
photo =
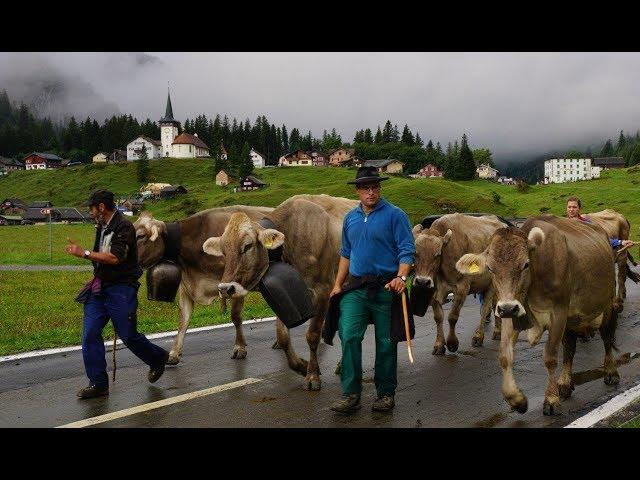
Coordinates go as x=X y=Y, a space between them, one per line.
x=338 y=369
x=312 y=383
x=549 y=408
x=612 y=378
x=173 y=359
x=452 y=345
x=565 y=390
x=477 y=341
x=438 y=350
x=276 y=345
x=496 y=335
x=239 y=352
x=521 y=405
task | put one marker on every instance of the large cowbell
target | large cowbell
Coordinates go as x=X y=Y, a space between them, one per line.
x=286 y=293
x=163 y=280
x=421 y=299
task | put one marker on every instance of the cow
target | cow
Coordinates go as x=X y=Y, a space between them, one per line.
x=553 y=274
x=200 y=273
x=617 y=226
x=438 y=248
x=309 y=227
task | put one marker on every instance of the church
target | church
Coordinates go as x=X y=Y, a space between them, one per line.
x=170 y=144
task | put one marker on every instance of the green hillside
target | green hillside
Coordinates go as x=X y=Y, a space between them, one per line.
x=418 y=197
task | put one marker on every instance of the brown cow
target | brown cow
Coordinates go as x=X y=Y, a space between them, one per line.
x=617 y=226
x=310 y=228
x=200 y=273
x=554 y=274
x=438 y=248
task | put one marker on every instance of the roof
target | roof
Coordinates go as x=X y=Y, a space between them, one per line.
x=99 y=153
x=11 y=217
x=15 y=201
x=253 y=179
x=168 y=114
x=606 y=161
x=69 y=213
x=173 y=188
x=10 y=161
x=380 y=163
x=150 y=140
x=46 y=156
x=257 y=152
x=36 y=214
x=41 y=204
x=348 y=150
x=188 y=139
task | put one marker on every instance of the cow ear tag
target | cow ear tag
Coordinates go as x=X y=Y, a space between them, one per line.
x=474 y=268
x=269 y=243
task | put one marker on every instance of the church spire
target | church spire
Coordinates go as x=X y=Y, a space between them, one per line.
x=168 y=115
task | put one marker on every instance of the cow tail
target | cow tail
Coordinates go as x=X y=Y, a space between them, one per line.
x=632 y=275
x=633 y=262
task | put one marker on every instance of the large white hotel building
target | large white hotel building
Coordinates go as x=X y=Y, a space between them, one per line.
x=560 y=170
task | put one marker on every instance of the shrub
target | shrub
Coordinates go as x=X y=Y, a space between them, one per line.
x=522 y=187
x=496 y=197
x=544 y=209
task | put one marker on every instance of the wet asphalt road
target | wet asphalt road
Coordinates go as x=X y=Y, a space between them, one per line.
x=458 y=390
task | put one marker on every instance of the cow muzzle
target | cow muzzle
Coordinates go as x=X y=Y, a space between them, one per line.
x=509 y=309
x=421 y=281
x=232 y=289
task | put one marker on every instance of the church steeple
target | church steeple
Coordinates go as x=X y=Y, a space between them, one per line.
x=168 y=114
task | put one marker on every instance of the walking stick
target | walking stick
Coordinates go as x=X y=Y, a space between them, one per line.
x=115 y=337
x=406 y=325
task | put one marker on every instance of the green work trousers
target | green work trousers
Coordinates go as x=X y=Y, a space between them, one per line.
x=355 y=311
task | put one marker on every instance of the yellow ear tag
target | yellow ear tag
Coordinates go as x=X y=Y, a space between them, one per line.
x=269 y=243
x=474 y=268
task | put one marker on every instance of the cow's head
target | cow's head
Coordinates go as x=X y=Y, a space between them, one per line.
x=243 y=245
x=507 y=259
x=428 y=256
x=150 y=239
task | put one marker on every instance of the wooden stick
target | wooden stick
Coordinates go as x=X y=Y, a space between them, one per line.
x=406 y=325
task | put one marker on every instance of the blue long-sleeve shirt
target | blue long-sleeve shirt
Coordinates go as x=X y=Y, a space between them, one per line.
x=377 y=243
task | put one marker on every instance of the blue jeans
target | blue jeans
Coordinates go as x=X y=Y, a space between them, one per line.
x=118 y=303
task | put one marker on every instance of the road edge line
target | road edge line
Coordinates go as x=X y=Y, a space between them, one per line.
x=607 y=409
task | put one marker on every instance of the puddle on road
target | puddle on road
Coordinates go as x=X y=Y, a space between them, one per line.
x=263 y=399
x=585 y=376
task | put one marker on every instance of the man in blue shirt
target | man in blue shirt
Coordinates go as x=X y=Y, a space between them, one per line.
x=573 y=211
x=377 y=251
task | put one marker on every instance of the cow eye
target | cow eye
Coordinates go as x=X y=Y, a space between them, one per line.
x=140 y=237
x=525 y=266
x=246 y=247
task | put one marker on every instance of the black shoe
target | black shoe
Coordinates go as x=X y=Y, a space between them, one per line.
x=156 y=371
x=383 y=404
x=348 y=404
x=93 y=391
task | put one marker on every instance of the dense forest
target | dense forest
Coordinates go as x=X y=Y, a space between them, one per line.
x=21 y=133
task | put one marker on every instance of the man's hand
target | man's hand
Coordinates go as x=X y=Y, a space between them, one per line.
x=74 y=249
x=336 y=290
x=396 y=285
x=629 y=243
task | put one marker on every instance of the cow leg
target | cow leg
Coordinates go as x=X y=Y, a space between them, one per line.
x=565 y=383
x=497 y=327
x=621 y=271
x=607 y=332
x=185 y=304
x=551 y=404
x=438 y=316
x=296 y=363
x=510 y=391
x=485 y=318
x=240 y=345
x=312 y=379
x=459 y=297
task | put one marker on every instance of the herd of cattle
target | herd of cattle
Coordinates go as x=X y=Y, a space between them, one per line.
x=552 y=273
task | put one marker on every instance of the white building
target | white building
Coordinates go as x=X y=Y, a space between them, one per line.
x=99 y=157
x=561 y=170
x=186 y=145
x=134 y=148
x=257 y=158
x=485 y=171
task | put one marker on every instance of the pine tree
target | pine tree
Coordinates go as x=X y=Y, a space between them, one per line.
x=466 y=167
x=285 y=139
x=395 y=134
x=621 y=142
x=387 y=132
x=407 y=136
x=245 y=165
x=635 y=155
x=142 y=166
x=368 y=137
x=607 y=150
x=379 y=138
x=418 y=141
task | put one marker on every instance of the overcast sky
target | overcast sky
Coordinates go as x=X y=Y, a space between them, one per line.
x=512 y=103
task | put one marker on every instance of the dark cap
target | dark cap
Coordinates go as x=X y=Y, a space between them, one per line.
x=100 y=196
x=368 y=175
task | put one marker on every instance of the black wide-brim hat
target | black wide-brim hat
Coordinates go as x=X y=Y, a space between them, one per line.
x=367 y=175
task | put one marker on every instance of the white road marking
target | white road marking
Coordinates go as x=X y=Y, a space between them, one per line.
x=51 y=351
x=603 y=411
x=159 y=404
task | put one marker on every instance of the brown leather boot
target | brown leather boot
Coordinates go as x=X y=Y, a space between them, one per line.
x=348 y=404
x=383 y=404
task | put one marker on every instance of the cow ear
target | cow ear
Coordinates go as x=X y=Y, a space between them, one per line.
x=535 y=238
x=472 y=264
x=417 y=229
x=447 y=237
x=271 y=238
x=154 y=233
x=212 y=246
